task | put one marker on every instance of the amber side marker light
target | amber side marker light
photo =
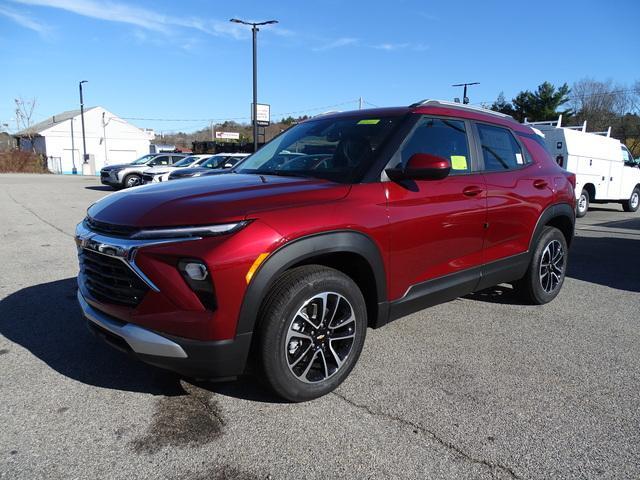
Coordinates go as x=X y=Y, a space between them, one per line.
x=258 y=261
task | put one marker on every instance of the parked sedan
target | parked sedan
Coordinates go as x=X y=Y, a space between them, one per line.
x=214 y=165
x=161 y=173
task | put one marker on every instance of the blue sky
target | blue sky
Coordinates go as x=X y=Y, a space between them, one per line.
x=184 y=60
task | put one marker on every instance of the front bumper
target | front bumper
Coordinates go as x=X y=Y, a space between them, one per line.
x=109 y=178
x=192 y=358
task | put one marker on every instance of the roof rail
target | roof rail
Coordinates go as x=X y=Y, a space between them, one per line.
x=329 y=112
x=606 y=133
x=558 y=124
x=551 y=123
x=460 y=106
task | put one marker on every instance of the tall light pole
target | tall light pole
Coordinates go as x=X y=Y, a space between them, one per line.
x=74 y=170
x=254 y=30
x=84 y=141
x=465 y=99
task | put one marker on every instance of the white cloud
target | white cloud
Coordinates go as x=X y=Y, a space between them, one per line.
x=145 y=18
x=340 y=42
x=25 y=21
x=390 y=47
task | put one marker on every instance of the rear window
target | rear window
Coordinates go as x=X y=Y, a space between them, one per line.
x=500 y=150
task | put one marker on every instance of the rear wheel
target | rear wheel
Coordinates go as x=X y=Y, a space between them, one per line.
x=132 y=180
x=583 y=204
x=313 y=326
x=633 y=203
x=547 y=269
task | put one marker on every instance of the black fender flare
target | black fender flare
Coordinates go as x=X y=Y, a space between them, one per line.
x=551 y=212
x=301 y=249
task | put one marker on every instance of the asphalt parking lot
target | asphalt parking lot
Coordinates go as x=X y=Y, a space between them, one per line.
x=481 y=387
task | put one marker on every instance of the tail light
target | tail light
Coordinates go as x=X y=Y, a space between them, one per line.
x=572 y=179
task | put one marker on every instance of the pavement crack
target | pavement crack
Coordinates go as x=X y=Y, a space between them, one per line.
x=38 y=216
x=494 y=468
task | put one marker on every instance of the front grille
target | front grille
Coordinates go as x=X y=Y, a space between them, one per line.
x=110 y=280
x=122 y=231
x=104 y=174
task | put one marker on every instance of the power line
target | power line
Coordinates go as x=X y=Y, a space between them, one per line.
x=236 y=118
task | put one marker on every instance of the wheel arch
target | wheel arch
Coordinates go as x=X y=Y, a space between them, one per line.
x=591 y=189
x=561 y=216
x=353 y=253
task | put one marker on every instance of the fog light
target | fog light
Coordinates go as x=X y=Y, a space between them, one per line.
x=196 y=274
x=196 y=271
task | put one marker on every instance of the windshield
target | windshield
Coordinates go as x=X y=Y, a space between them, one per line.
x=143 y=159
x=185 y=161
x=214 y=162
x=337 y=149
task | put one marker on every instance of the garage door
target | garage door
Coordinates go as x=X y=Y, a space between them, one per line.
x=121 y=156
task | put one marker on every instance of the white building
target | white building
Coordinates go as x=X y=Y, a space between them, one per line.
x=109 y=140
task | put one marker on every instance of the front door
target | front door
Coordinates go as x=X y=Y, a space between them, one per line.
x=436 y=226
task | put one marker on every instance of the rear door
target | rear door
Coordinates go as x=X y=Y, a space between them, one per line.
x=436 y=225
x=518 y=190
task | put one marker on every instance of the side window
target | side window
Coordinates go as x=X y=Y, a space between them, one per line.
x=162 y=160
x=626 y=155
x=500 y=149
x=176 y=159
x=441 y=137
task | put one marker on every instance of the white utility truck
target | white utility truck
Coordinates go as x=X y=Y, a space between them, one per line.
x=605 y=169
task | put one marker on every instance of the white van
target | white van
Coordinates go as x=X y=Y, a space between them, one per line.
x=605 y=169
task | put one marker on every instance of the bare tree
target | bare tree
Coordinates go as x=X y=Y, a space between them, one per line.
x=24 y=119
x=605 y=104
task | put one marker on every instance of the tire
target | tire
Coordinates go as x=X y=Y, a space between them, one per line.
x=291 y=348
x=633 y=203
x=544 y=278
x=582 y=205
x=132 y=180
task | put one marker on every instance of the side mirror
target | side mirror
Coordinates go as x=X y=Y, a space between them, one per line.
x=421 y=166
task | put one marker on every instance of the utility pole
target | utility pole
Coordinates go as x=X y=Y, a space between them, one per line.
x=74 y=170
x=360 y=104
x=465 y=99
x=84 y=141
x=254 y=31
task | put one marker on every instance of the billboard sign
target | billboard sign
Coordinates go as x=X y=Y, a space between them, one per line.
x=227 y=136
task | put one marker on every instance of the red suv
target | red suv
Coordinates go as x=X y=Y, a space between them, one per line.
x=343 y=222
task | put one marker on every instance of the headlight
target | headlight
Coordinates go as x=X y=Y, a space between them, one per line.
x=187 y=232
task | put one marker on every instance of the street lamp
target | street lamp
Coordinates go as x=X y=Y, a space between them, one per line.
x=84 y=141
x=254 y=31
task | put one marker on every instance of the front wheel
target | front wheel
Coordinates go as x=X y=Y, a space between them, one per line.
x=582 y=206
x=313 y=326
x=132 y=180
x=633 y=203
x=547 y=270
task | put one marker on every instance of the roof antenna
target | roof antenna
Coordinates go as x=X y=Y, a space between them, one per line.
x=465 y=99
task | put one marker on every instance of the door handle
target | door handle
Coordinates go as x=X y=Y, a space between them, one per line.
x=540 y=183
x=472 y=191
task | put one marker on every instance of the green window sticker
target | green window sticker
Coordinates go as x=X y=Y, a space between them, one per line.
x=458 y=162
x=369 y=121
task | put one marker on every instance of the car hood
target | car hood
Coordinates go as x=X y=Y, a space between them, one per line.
x=185 y=172
x=211 y=199
x=161 y=169
x=115 y=167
